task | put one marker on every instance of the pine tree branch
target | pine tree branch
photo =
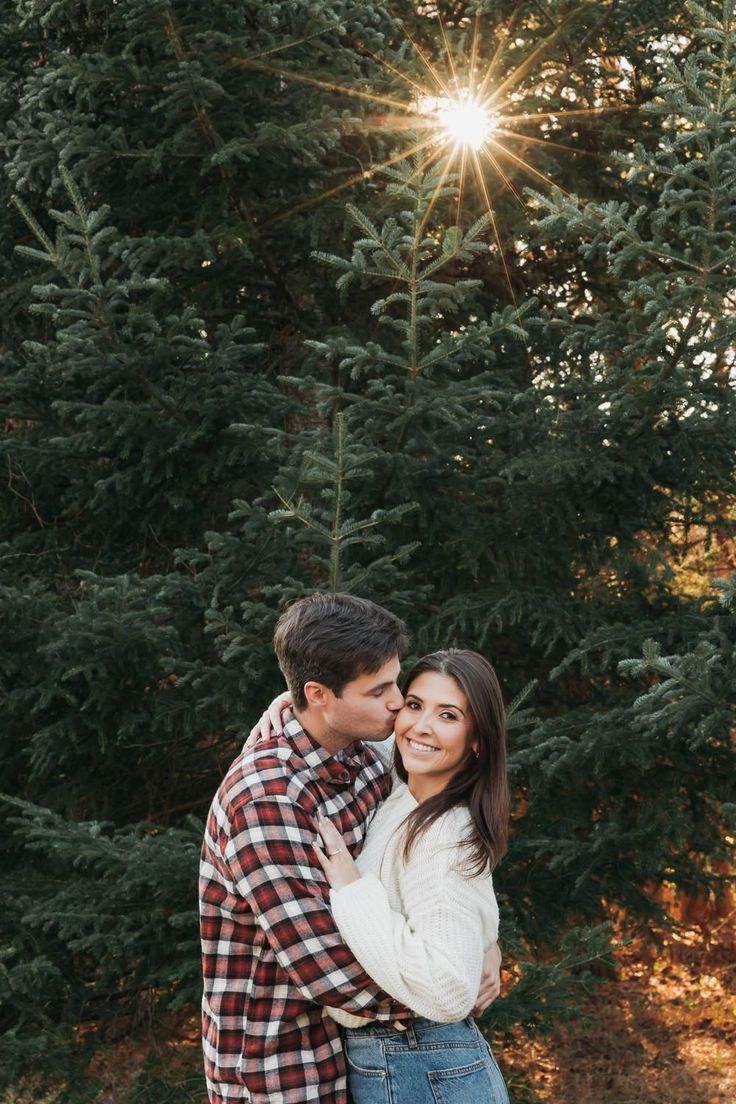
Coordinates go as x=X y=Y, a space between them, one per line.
x=235 y=200
x=685 y=336
x=31 y=502
x=366 y=225
x=294 y=511
x=340 y=475
x=596 y=28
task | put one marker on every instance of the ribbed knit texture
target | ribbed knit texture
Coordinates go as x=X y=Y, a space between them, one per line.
x=420 y=928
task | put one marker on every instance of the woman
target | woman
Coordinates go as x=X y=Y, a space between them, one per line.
x=417 y=909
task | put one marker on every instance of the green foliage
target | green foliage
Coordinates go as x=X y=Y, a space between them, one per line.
x=509 y=429
x=641 y=789
x=98 y=903
x=545 y=991
x=328 y=539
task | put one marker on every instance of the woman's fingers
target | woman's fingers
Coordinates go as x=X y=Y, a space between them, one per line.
x=272 y=720
x=336 y=861
x=277 y=714
x=254 y=735
x=324 y=862
x=330 y=835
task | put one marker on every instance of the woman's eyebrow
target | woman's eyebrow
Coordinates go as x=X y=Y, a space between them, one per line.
x=447 y=705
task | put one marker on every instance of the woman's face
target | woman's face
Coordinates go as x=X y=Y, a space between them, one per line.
x=434 y=733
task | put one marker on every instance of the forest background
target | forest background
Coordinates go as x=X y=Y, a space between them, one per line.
x=512 y=423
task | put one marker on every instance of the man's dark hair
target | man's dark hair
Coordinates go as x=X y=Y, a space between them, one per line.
x=334 y=638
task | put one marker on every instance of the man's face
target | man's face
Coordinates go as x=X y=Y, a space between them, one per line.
x=367 y=706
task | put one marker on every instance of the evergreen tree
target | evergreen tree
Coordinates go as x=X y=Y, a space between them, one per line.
x=534 y=420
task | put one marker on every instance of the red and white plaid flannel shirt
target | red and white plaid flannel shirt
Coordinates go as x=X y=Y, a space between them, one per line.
x=272 y=955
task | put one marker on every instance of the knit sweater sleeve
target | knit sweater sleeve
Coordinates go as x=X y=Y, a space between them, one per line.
x=430 y=955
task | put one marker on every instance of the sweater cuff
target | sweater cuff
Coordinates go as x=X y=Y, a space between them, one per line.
x=351 y=895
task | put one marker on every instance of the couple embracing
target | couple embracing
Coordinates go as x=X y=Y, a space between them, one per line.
x=348 y=919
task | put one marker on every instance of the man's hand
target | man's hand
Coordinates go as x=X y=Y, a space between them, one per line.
x=490 y=980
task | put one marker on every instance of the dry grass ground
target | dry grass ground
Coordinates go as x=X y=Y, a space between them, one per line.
x=663 y=1032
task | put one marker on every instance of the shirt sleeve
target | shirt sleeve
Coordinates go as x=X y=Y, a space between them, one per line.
x=430 y=956
x=271 y=857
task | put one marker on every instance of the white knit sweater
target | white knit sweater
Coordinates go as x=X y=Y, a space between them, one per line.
x=419 y=928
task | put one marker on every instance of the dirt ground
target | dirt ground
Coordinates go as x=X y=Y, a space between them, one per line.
x=664 y=1032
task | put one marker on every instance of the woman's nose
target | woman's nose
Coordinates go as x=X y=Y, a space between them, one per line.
x=422 y=723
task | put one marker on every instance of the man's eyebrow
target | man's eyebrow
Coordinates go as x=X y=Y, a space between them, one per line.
x=446 y=705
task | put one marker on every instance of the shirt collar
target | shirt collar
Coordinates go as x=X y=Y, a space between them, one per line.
x=339 y=768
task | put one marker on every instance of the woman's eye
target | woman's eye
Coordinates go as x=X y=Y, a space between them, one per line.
x=448 y=716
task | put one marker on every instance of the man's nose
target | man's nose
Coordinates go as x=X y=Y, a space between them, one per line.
x=395 y=700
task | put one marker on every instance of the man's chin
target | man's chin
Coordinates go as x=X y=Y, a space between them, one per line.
x=373 y=737
x=379 y=739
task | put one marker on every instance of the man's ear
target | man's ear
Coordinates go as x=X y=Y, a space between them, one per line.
x=317 y=694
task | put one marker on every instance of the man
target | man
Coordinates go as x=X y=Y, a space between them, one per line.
x=273 y=959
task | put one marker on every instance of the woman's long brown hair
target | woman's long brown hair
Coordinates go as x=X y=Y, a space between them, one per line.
x=480 y=784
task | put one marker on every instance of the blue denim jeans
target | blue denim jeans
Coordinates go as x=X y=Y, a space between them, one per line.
x=429 y=1063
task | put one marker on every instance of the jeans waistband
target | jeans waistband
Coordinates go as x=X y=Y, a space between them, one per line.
x=419 y=1025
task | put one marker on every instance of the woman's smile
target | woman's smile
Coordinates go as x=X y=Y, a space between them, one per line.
x=434 y=733
x=421 y=748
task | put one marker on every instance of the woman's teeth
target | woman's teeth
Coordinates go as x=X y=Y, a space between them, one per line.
x=421 y=747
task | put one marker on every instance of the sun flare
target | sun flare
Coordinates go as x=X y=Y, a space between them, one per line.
x=460 y=120
x=465 y=111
